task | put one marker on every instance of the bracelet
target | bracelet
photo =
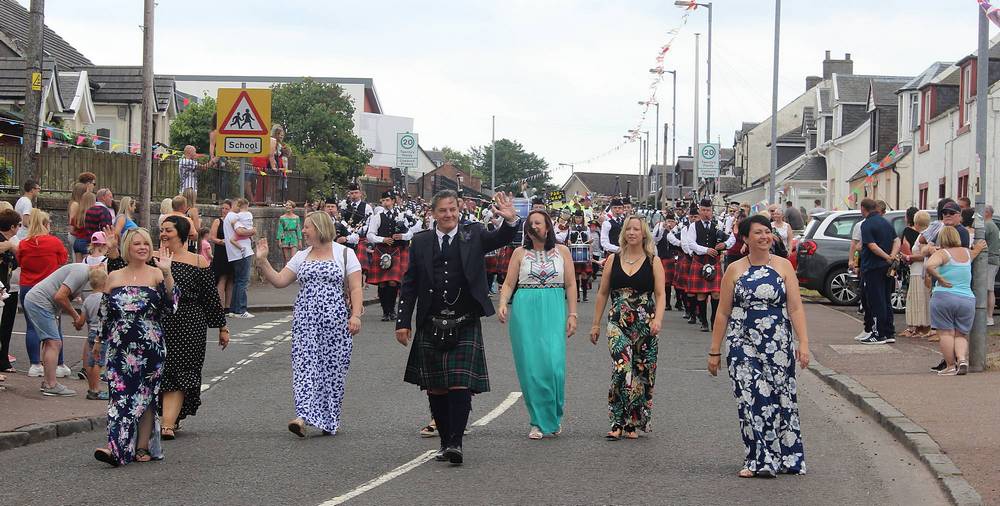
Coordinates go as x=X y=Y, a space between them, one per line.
x=714 y=354
x=574 y=315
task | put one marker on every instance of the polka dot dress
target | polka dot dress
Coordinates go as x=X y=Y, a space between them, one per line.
x=186 y=332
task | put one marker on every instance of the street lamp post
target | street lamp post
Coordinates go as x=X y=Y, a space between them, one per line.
x=656 y=135
x=697 y=89
x=572 y=168
x=708 y=85
x=774 y=104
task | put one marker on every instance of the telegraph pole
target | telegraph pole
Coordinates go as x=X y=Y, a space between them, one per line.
x=148 y=103
x=981 y=281
x=33 y=91
x=774 y=104
x=493 y=157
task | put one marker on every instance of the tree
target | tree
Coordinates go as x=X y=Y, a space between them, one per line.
x=193 y=124
x=461 y=161
x=513 y=164
x=318 y=120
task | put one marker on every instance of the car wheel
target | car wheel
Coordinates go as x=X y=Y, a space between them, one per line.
x=898 y=297
x=841 y=289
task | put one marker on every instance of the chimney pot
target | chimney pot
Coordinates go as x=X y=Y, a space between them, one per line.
x=847 y=56
x=827 y=54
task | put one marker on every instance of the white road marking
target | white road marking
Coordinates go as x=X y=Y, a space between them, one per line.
x=422 y=458
x=205 y=387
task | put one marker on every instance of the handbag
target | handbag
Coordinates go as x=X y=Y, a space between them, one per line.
x=445 y=328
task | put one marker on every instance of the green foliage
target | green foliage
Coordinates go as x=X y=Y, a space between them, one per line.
x=461 y=161
x=193 y=125
x=513 y=163
x=318 y=121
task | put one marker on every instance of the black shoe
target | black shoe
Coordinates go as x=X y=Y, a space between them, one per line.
x=453 y=454
x=940 y=367
x=704 y=327
x=667 y=307
x=439 y=455
x=585 y=299
x=692 y=320
x=386 y=318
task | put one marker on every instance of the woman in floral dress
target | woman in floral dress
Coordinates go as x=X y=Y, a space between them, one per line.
x=137 y=298
x=322 y=332
x=760 y=306
x=633 y=279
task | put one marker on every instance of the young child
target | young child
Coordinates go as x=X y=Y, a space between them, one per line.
x=97 y=347
x=97 y=250
x=204 y=247
x=243 y=220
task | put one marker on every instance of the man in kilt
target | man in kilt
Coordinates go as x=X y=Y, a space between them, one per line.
x=666 y=251
x=497 y=260
x=355 y=212
x=578 y=236
x=683 y=265
x=706 y=239
x=389 y=234
x=611 y=229
x=343 y=234
x=445 y=284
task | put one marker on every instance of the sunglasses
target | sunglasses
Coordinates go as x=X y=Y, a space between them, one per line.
x=948 y=212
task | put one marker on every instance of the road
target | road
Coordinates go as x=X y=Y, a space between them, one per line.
x=238 y=451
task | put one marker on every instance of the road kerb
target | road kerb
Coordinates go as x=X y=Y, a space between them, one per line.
x=912 y=435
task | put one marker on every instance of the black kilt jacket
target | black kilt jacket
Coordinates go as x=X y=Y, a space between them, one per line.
x=473 y=242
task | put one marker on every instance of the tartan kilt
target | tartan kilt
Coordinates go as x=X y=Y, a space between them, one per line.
x=462 y=366
x=501 y=261
x=668 y=270
x=583 y=268
x=395 y=272
x=698 y=284
x=362 y=252
x=681 y=269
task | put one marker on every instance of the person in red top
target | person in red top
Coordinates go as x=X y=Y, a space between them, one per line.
x=39 y=254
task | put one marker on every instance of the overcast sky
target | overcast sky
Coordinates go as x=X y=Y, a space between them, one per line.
x=562 y=77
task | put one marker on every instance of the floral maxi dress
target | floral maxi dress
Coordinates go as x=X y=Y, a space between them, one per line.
x=761 y=364
x=136 y=356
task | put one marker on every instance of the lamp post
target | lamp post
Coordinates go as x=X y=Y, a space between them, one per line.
x=656 y=136
x=572 y=169
x=774 y=104
x=673 y=123
x=708 y=87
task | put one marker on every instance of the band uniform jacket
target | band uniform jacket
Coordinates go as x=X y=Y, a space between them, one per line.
x=473 y=242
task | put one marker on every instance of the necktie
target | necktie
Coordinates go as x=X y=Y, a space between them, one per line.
x=445 y=241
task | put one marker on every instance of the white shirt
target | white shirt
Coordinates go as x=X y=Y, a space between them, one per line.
x=605 y=240
x=376 y=221
x=233 y=221
x=23 y=207
x=451 y=236
x=353 y=265
x=690 y=238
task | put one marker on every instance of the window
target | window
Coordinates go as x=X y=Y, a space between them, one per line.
x=941 y=188
x=966 y=106
x=963 y=185
x=914 y=111
x=873 y=133
x=922 y=196
x=841 y=227
x=925 y=117
x=105 y=135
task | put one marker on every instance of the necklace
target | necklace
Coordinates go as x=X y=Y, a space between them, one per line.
x=631 y=262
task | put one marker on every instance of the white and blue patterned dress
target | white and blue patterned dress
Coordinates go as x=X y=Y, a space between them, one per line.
x=762 y=366
x=321 y=343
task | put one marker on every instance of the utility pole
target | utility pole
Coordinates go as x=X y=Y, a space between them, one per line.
x=33 y=92
x=981 y=280
x=663 y=169
x=774 y=103
x=708 y=84
x=493 y=157
x=148 y=104
x=697 y=87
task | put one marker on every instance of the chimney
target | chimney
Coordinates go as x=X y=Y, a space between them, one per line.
x=842 y=67
x=812 y=81
x=689 y=150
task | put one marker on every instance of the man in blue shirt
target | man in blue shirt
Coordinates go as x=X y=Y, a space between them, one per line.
x=879 y=246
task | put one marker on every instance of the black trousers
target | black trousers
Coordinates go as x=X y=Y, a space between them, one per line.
x=6 y=327
x=877 y=288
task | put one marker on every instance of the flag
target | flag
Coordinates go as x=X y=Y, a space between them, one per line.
x=992 y=13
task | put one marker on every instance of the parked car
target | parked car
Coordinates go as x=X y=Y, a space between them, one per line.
x=823 y=252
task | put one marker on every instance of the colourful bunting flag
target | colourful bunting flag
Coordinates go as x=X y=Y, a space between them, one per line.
x=992 y=13
x=80 y=139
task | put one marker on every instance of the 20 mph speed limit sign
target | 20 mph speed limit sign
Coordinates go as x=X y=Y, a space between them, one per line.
x=708 y=160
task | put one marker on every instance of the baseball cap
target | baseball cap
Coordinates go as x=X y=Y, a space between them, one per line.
x=951 y=207
x=98 y=238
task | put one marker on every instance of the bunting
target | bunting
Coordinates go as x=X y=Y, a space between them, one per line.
x=59 y=138
x=992 y=13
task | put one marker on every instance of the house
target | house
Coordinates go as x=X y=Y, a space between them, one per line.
x=13 y=72
x=600 y=183
x=117 y=95
x=447 y=177
x=14 y=23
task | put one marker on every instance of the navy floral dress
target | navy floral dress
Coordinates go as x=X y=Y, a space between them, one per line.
x=762 y=366
x=321 y=344
x=136 y=356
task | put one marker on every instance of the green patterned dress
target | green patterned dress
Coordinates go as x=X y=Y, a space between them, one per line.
x=633 y=347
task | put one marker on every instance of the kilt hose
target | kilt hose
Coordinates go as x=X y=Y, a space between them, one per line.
x=696 y=283
x=395 y=272
x=462 y=366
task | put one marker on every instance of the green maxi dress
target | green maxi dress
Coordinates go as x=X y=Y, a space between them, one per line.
x=538 y=337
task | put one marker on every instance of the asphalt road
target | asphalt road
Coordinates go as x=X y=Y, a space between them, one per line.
x=238 y=451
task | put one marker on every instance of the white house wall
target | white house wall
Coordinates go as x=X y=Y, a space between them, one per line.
x=758 y=160
x=844 y=157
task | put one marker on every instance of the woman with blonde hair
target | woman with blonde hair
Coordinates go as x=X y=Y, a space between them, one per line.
x=74 y=208
x=77 y=226
x=953 y=305
x=39 y=254
x=324 y=321
x=166 y=208
x=634 y=281
x=917 y=294
x=123 y=221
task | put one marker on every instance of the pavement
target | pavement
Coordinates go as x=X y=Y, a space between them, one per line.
x=238 y=451
x=959 y=414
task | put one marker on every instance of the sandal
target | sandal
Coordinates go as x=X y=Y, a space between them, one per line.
x=535 y=433
x=104 y=455
x=428 y=431
x=297 y=427
x=167 y=432
x=908 y=333
x=142 y=455
x=630 y=432
x=615 y=434
x=745 y=473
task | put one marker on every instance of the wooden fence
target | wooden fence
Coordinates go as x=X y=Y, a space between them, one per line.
x=58 y=169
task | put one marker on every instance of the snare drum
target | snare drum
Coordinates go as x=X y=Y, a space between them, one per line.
x=523 y=207
x=491 y=254
x=580 y=252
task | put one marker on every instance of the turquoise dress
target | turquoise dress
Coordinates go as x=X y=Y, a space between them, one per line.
x=538 y=337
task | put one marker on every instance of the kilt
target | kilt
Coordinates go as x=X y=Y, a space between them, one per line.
x=583 y=268
x=668 y=270
x=462 y=366
x=698 y=284
x=681 y=269
x=395 y=272
x=362 y=251
x=499 y=263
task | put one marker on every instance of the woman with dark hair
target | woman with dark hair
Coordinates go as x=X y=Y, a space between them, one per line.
x=220 y=261
x=759 y=308
x=185 y=329
x=10 y=222
x=633 y=279
x=545 y=298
